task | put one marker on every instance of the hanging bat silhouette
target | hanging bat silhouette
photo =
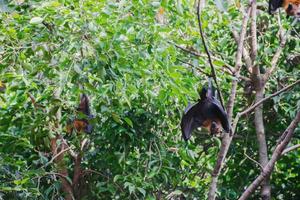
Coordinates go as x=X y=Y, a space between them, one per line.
x=291 y=7
x=81 y=123
x=207 y=113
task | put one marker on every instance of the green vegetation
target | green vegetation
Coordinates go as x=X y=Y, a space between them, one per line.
x=124 y=55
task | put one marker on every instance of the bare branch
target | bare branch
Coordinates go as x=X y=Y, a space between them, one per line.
x=287 y=136
x=257 y=163
x=253 y=32
x=238 y=115
x=246 y=56
x=228 y=137
x=287 y=150
x=276 y=56
x=56 y=156
x=269 y=97
x=255 y=68
x=200 y=70
x=195 y=53
x=238 y=64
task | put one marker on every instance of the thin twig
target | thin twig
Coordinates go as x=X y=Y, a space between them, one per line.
x=269 y=97
x=287 y=150
x=197 y=54
x=54 y=157
x=200 y=70
x=261 y=167
x=213 y=72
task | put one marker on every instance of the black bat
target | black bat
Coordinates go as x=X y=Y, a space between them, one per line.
x=207 y=113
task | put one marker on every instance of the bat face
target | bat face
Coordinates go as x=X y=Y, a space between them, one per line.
x=214 y=126
x=293 y=9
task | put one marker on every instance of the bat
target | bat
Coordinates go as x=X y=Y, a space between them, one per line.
x=207 y=113
x=81 y=123
x=291 y=7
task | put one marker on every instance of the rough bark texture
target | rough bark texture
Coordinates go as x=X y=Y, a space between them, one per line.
x=261 y=138
x=228 y=137
x=57 y=145
x=283 y=142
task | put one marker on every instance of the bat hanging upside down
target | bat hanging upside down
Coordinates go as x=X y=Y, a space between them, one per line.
x=291 y=7
x=81 y=123
x=207 y=113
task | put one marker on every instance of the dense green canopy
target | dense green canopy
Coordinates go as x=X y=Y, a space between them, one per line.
x=126 y=56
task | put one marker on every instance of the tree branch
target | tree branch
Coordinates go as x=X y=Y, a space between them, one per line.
x=238 y=64
x=228 y=137
x=246 y=56
x=287 y=136
x=276 y=56
x=287 y=150
x=269 y=97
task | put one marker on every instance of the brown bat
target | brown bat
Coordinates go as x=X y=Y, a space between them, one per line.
x=291 y=7
x=81 y=123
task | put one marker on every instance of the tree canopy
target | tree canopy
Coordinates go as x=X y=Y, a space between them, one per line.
x=140 y=63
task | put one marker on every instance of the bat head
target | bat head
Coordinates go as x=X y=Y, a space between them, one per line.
x=215 y=128
x=274 y=5
x=292 y=10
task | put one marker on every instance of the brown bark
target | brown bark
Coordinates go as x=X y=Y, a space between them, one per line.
x=57 y=145
x=226 y=141
x=77 y=176
x=284 y=140
x=261 y=138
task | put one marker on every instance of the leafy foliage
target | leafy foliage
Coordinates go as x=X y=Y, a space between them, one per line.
x=122 y=54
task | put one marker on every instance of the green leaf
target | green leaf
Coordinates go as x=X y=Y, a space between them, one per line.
x=36 y=20
x=129 y=122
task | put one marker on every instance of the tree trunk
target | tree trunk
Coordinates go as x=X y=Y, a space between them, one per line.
x=261 y=137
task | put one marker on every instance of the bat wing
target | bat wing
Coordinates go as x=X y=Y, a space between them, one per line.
x=191 y=119
x=214 y=110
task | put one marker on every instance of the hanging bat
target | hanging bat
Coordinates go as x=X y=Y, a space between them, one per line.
x=291 y=7
x=81 y=123
x=206 y=113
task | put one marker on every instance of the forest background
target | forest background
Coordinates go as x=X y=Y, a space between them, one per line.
x=140 y=62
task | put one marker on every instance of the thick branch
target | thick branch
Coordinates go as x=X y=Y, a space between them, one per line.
x=228 y=137
x=246 y=56
x=255 y=68
x=287 y=136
